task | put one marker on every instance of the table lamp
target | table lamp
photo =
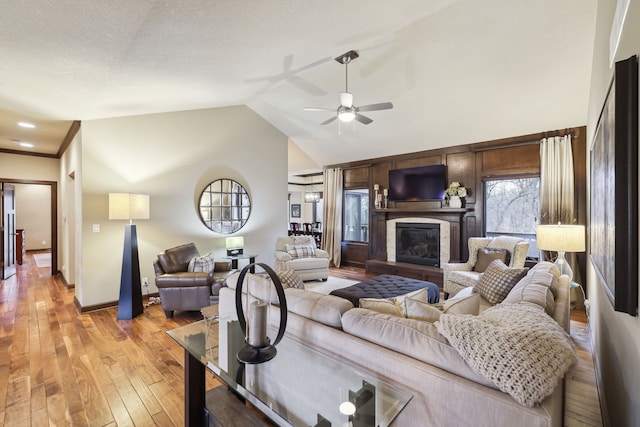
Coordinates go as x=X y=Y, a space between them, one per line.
x=561 y=238
x=235 y=245
x=124 y=206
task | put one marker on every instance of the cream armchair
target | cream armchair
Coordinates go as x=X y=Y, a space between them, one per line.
x=299 y=253
x=458 y=276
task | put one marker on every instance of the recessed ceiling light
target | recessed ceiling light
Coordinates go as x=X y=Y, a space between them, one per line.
x=26 y=144
x=26 y=125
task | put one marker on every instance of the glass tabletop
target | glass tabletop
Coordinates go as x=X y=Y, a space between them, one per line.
x=300 y=386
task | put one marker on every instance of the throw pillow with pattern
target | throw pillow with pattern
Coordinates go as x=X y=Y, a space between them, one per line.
x=203 y=263
x=289 y=278
x=487 y=255
x=301 y=251
x=498 y=280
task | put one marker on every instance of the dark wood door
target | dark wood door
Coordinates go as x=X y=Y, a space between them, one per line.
x=8 y=226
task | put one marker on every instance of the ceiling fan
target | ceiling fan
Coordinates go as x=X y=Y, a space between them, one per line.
x=346 y=111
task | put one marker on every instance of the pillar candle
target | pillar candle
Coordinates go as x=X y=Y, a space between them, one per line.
x=376 y=187
x=258 y=324
x=379 y=197
x=385 y=192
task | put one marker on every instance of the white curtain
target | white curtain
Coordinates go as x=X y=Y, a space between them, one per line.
x=557 y=199
x=332 y=214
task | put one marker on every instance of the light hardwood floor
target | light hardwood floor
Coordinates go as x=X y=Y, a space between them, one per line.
x=59 y=367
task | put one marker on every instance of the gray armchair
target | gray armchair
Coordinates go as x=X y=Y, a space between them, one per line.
x=182 y=290
x=458 y=276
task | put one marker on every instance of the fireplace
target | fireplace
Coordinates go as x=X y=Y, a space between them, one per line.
x=418 y=243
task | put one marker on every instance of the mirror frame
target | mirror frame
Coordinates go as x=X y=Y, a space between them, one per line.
x=224 y=206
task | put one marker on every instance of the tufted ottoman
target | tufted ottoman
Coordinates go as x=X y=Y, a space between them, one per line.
x=387 y=286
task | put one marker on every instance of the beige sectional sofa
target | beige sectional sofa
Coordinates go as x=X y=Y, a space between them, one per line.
x=413 y=355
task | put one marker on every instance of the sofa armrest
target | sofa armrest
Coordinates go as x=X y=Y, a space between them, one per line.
x=322 y=254
x=457 y=266
x=519 y=255
x=185 y=279
x=283 y=256
x=222 y=266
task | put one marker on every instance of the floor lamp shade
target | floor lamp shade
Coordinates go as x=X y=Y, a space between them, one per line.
x=561 y=238
x=123 y=206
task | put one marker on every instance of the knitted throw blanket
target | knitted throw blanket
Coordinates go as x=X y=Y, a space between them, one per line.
x=520 y=348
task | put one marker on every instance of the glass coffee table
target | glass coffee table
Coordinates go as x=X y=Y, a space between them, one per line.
x=299 y=387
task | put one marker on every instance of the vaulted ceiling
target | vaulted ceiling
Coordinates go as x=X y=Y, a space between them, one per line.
x=457 y=71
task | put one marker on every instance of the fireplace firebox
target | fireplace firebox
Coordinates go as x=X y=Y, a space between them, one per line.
x=418 y=243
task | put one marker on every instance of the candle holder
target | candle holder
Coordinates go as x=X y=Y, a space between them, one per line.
x=258 y=347
x=376 y=197
x=386 y=201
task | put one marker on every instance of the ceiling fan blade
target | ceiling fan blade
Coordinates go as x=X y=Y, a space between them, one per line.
x=326 y=122
x=363 y=119
x=318 y=109
x=346 y=99
x=375 y=107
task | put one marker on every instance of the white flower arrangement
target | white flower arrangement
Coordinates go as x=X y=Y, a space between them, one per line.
x=455 y=189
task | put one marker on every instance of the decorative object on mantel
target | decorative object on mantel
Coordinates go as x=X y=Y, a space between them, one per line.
x=385 y=192
x=258 y=347
x=376 y=196
x=455 y=192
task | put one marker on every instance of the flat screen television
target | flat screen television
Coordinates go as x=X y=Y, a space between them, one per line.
x=421 y=183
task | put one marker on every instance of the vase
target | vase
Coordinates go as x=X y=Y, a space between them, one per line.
x=455 y=202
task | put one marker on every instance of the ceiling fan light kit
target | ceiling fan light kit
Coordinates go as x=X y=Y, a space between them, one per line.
x=346 y=111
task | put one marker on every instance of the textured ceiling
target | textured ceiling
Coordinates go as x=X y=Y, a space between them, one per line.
x=456 y=71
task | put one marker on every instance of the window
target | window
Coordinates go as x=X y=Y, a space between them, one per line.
x=356 y=215
x=512 y=208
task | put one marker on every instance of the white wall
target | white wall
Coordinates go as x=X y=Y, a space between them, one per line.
x=70 y=218
x=33 y=213
x=172 y=157
x=616 y=336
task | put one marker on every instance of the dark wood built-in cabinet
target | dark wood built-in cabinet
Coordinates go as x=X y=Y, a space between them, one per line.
x=470 y=165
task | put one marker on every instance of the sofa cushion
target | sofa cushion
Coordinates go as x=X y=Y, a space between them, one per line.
x=550 y=268
x=382 y=305
x=308 y=263
x=258 y=286
x=414 y=338
x=301 y=251
x=498 y=280
x=204 y=263
x=464 y=305
x=487 y=255
x=534 y=288
x=325 y=309
x=464 y=278
x=420 y=310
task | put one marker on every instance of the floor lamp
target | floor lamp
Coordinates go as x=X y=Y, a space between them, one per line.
x=561 y=238
x=124 y=206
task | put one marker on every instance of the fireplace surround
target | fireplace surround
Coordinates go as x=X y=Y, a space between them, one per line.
x=443 y=228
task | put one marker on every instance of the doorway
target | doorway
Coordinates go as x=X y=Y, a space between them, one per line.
x=8 y=248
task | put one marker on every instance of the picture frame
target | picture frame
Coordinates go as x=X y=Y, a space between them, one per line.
x=613 y=226
x=295 y=210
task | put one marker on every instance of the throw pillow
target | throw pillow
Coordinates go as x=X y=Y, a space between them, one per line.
x=289 y=278
x=465 y=305
x=301 y=251
x=382 y=305
x=419 y=295
x=204 y=263
x=487 y=255
x=498 y=280
x=414 y=309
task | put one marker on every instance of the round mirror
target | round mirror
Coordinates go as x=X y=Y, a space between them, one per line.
x=224 y=206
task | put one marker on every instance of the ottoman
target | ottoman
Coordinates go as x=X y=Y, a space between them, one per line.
x=387 y=286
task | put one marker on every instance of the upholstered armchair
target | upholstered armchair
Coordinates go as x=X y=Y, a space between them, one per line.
x=181 y=289
x=300 y=254
x=482 y=250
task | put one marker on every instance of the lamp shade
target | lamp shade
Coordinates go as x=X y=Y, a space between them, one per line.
x=128 y=206
x=235 y=242
x=561 y=237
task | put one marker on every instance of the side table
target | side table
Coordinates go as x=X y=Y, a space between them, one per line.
x=234 y=261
